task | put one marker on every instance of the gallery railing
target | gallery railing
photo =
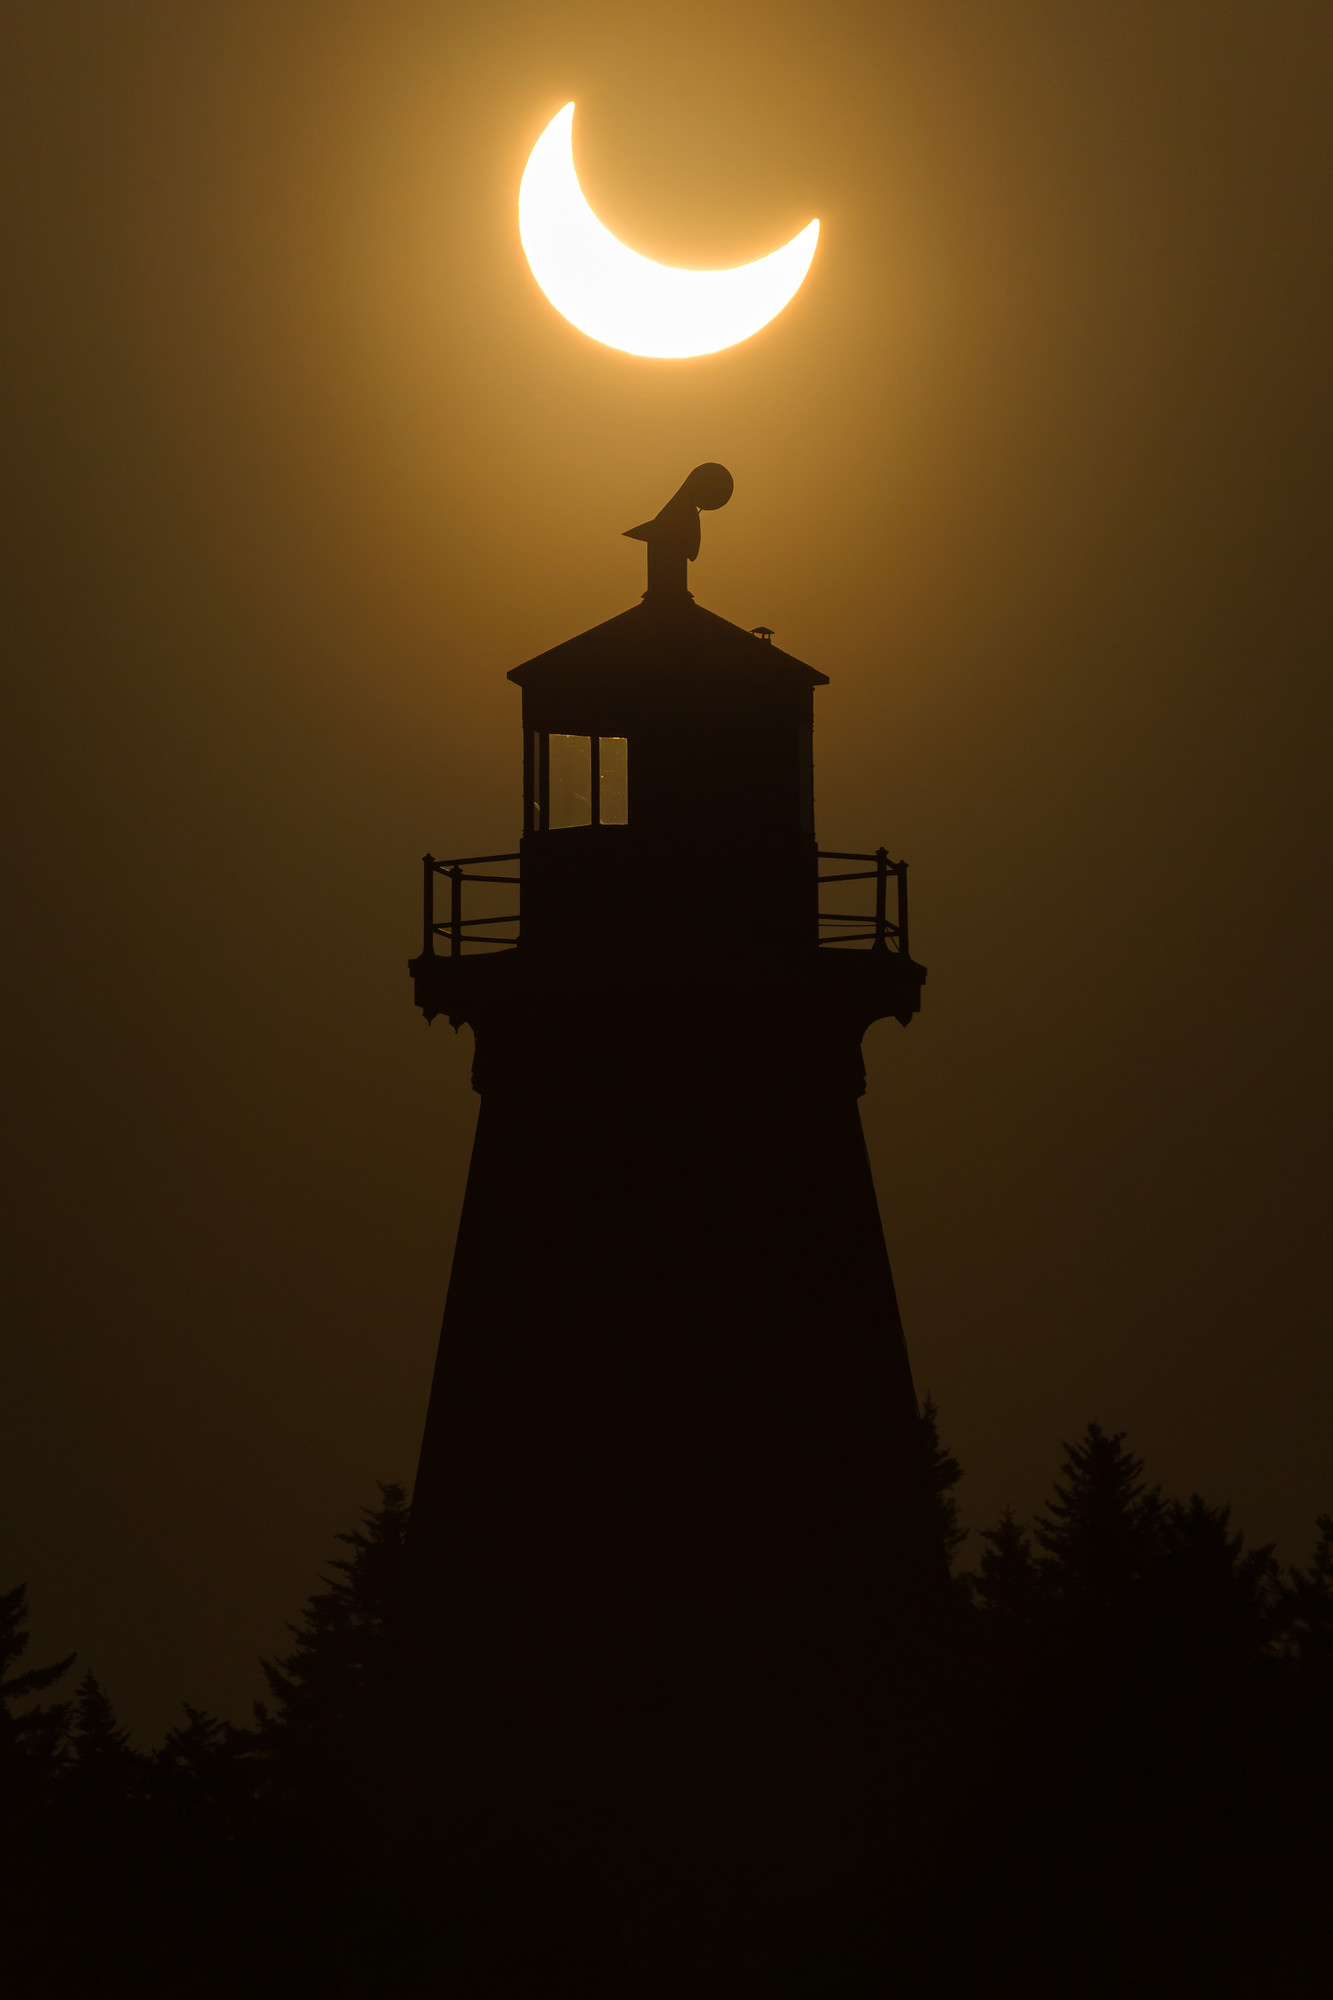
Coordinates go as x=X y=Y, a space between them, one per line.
x=875 y=930
x=461 y=930
x=836 y=927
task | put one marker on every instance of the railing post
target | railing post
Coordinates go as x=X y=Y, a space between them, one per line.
x=428 y=906
x=881 y=898
x=455 y=911
x=902 y=909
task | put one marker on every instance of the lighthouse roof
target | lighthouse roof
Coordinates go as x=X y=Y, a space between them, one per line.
x=685 y=642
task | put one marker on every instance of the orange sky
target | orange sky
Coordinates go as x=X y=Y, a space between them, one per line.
x=301 y=462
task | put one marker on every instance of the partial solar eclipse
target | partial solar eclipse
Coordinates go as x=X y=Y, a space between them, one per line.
x=624 y=300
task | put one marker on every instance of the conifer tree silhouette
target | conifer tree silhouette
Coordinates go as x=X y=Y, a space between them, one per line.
x=33 y=1871
x=102 y=1774
x=1215 y=1603
x=1307 y=1608
x=205 y=1779
x=96 y=1737
x=1100 y=1532
x=312 y=1732
x=32 y=1737
x=944 y=1473
x=1007 y=1584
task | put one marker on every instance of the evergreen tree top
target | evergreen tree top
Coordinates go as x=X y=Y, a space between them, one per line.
x=14 y=1644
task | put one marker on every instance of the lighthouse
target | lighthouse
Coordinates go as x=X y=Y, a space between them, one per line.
x=671 y=1530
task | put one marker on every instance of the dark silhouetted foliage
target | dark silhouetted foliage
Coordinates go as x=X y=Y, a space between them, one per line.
x=1099 y=1532
x=98 y=1755
x=311 y=1733
x=1007 y=1586
x=1131 y=1719
x=32 y=1734
x=1307 y=1609
x=944 y=1473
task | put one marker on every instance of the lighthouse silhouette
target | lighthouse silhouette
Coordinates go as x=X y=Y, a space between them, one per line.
x=672 y=1531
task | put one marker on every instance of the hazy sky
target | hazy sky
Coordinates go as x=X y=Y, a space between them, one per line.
x=300 y=462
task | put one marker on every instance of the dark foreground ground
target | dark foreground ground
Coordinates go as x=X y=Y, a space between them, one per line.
x=1115 y=1778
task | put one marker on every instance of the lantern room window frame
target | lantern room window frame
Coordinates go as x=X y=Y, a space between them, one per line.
x=602 y=780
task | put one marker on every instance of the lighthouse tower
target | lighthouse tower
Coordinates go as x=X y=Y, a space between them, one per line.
x=670 y=1527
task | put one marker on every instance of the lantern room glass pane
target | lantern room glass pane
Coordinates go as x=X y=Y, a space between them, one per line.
x=614 y=764
x=570 y=798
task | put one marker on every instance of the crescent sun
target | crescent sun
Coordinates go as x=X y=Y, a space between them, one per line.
x=624 y=300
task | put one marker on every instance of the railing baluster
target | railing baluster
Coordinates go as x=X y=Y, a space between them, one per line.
x=458 y=927
x=881 y=898
x=455 y=911
x=902 y=909
x=428 y=905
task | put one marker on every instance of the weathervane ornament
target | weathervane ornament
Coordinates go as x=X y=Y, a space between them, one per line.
x=673 y=534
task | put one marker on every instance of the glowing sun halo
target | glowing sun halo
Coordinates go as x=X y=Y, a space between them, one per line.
x=625 y=300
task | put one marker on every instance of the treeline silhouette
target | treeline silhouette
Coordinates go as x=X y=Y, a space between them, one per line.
x=1127 y=1746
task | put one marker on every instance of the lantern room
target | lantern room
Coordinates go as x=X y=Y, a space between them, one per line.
x=660 y=747
x=668 y=809
x=663 y=747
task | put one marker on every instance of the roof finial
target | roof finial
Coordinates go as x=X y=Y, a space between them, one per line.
x=673 y=535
